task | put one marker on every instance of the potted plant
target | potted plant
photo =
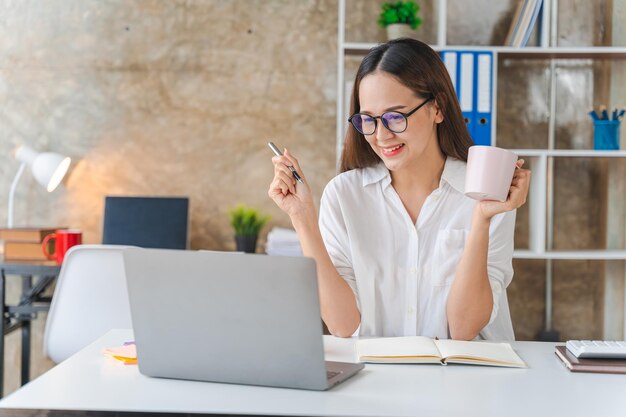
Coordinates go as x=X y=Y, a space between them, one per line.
x=247 y=223
x=400 y=18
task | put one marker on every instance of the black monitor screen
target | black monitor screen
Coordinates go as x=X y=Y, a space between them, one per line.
x=149 y=222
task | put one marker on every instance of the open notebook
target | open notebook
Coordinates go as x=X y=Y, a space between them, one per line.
x=420 y=349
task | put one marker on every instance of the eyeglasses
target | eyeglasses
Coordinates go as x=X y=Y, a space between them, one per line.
x=394 y=121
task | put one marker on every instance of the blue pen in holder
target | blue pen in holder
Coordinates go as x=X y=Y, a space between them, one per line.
x=606 y=134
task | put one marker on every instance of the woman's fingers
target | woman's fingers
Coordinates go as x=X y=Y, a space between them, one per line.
x=282 y=186
x=281 y=167
x=287 y=178
x=519 y=188
x=283 y=163
x=294 y=163
x=283 y=180
x=286 y=175
x=287 y=160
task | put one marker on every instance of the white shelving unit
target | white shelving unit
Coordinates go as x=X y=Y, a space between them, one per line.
x=541 y=160
x=528 y=52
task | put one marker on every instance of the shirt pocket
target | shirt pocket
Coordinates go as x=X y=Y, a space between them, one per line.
x=448 y=251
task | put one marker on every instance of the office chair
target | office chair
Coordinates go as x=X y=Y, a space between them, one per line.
x=90 y=298
x=148 y=222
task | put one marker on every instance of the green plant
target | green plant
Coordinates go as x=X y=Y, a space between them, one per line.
x=400 y=12
x=246 y=221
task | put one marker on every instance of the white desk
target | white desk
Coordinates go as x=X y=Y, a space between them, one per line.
x=89 y=381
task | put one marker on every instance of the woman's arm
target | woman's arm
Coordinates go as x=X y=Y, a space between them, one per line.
x=470 y=301
x=337 y=300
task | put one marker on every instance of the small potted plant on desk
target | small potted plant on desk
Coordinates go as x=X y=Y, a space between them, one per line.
x=247 y=223
x=400 y=19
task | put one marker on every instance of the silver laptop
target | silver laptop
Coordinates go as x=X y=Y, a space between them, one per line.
x=229 y=317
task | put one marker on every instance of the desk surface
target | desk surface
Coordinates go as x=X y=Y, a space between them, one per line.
x=25 y=268
x=89 y=381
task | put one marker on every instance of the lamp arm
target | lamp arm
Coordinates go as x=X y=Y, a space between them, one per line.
x=12 y=194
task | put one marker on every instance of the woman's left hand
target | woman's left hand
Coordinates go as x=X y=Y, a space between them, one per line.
x=517 y=194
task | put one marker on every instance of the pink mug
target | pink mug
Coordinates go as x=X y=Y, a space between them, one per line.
x=489 y=173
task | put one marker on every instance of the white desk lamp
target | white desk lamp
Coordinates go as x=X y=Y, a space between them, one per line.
x=48 y=168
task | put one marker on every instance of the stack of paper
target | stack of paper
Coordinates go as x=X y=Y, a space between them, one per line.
x=283 y=242
x=127 y=354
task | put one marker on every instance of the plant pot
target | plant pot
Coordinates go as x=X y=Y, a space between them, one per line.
x=246 y=243
x=400 y=30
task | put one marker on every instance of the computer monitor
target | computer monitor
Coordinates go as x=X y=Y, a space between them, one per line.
x=148 y=222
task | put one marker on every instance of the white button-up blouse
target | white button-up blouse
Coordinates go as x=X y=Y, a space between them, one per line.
x=401 y=272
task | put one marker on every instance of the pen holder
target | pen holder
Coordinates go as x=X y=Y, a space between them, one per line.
x=606 y=134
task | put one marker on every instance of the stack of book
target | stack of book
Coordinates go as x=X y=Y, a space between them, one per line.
x=24 y=244
x=283 y=242
x=614 y=363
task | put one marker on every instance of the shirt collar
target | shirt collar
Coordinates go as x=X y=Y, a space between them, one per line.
x=453 y=174
x=375 y=174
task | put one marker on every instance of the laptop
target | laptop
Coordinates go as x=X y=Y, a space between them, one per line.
x=229 y=317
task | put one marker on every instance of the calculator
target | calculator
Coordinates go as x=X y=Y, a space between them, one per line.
x=598 y=349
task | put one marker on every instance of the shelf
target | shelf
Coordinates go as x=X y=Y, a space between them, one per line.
x=541 y=211
x=529 y=52
x=585 y=255
x=572 y=153
x=581 y=52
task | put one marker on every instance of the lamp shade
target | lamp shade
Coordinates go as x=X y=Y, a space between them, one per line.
x=48 y=168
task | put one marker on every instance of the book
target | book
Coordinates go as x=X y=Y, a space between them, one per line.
x=26 y=234
x=602 y=366
x=47 y=262
x=32 y=251
x=420 y=349
x=515 y=23
x=534 y=13
x=523 y=22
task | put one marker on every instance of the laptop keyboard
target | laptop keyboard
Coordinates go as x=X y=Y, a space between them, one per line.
x=331 y=374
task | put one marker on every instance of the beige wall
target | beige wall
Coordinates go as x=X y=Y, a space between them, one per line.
x=156 y=97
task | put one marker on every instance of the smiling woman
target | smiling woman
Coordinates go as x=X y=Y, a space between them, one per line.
x=412 y=71
x=400 y=249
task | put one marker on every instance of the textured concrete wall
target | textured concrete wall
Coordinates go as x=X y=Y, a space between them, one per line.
x=155 y=97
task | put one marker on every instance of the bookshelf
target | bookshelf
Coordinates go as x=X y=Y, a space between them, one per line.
x=528 y=52
x=541 y=204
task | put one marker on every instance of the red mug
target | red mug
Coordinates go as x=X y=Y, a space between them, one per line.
x=64 y=239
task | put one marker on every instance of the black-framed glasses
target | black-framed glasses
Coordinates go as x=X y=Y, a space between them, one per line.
x=394 y=121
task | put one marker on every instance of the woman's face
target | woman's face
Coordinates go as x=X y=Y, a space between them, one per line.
x=380 y=92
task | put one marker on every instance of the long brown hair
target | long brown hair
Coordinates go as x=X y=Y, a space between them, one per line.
x=418 y=67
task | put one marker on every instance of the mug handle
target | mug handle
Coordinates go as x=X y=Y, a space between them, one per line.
x=44 y=245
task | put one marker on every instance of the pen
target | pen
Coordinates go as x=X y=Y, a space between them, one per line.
x=605 y=114
x=593 y=114
x=277 y=152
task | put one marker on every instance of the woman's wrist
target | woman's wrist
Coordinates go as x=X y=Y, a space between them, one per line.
x=479 y=219
x=304 y=220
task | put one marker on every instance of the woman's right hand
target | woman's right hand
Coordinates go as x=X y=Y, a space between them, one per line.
x=290 y=196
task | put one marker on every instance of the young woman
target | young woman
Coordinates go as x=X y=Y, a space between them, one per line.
x=400 y=250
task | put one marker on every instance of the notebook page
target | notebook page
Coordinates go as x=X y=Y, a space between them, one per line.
x=485 y=353
x=396 y=348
